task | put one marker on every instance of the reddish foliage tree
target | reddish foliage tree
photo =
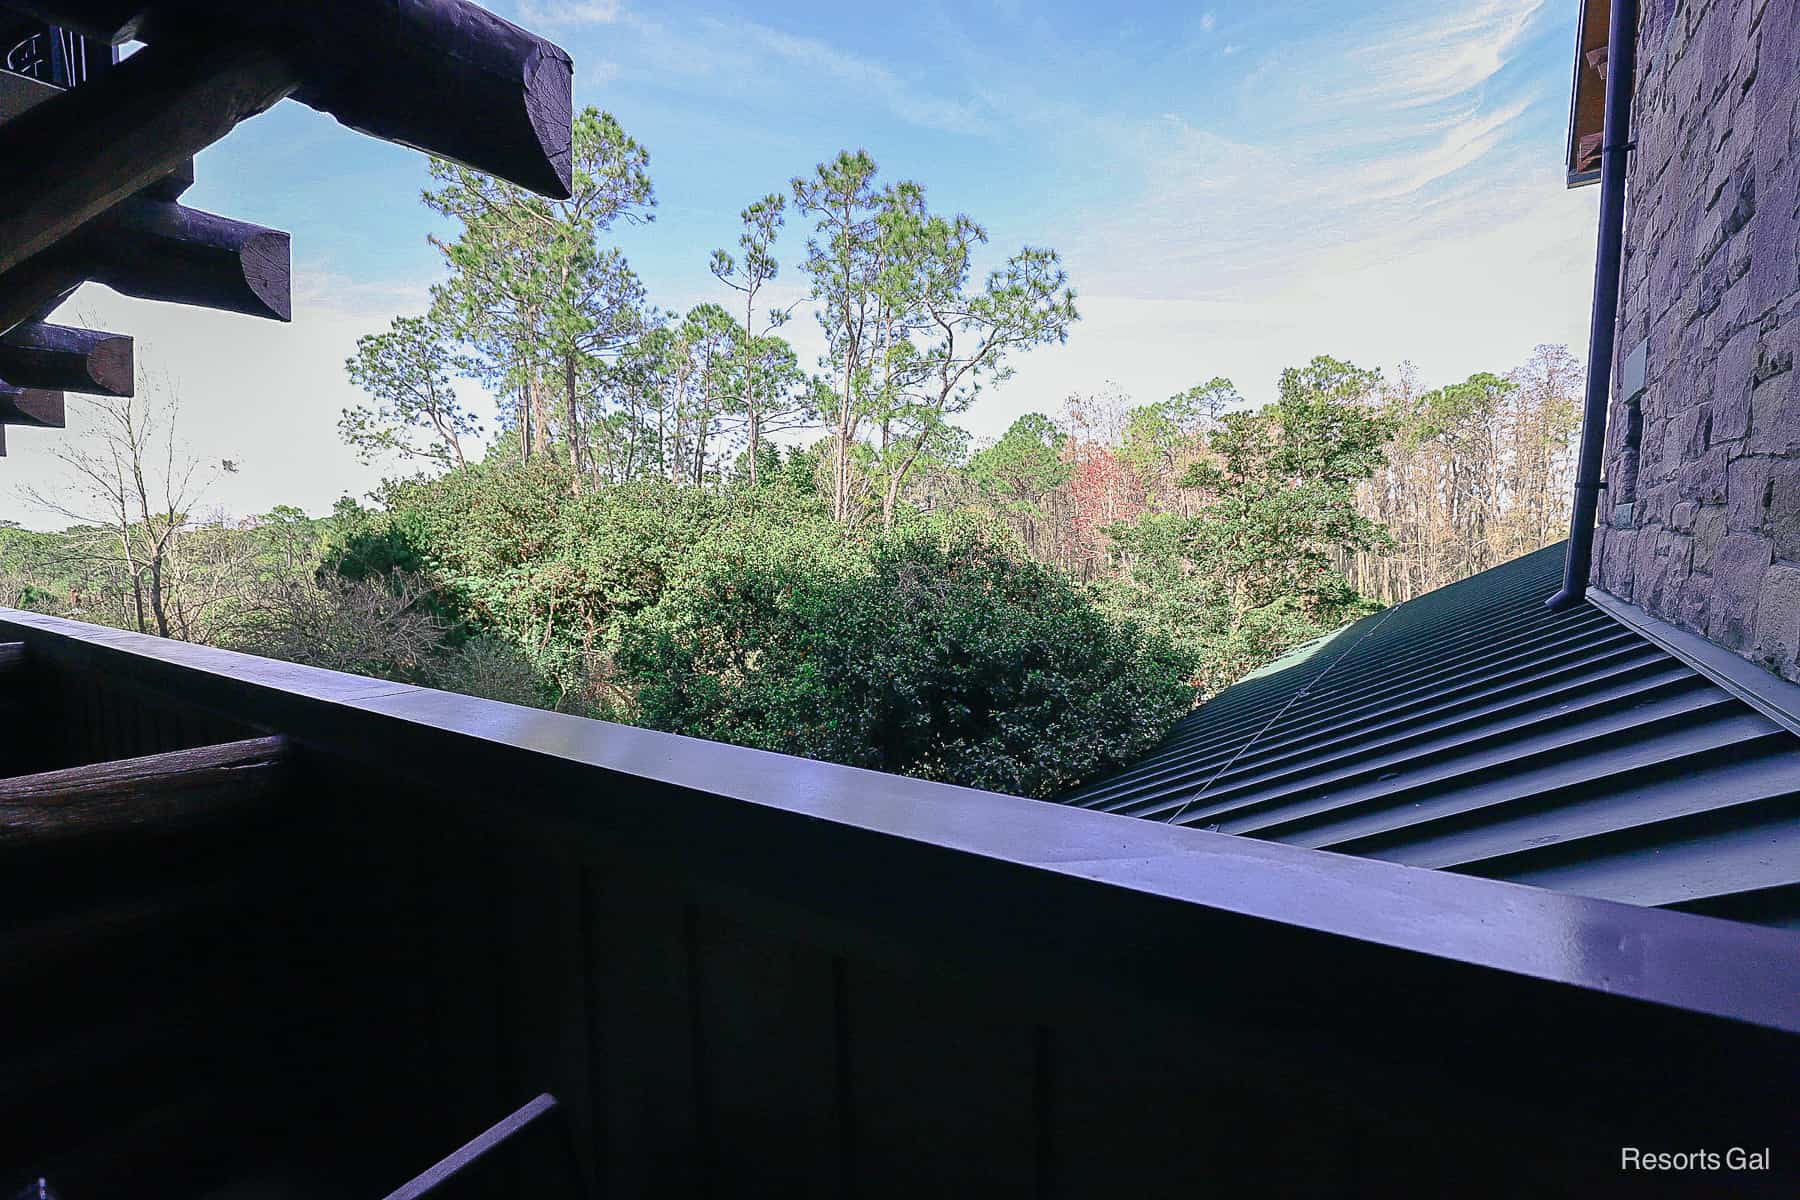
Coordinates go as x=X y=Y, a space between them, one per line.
x=1102 y=490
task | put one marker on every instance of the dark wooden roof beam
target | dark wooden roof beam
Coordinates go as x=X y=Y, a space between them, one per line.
x=156 y=250
x=446 y=77
x=124 y=132
x=40 y=355
x=31 y=406
x=174 y=185
x=443 y=76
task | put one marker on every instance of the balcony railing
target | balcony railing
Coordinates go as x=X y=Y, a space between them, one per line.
x=743 y=973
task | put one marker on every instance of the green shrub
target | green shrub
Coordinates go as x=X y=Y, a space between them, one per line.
x=940 y=652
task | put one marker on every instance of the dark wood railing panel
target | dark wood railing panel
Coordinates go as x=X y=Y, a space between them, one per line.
x=768 y=1038
x=944 y=1088
x=545 y=1016
x=86 y=716
x=649 y=1120
x=742 y=972
x=126 y=988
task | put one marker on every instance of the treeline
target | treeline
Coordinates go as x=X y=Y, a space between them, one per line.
x=677 y=524
x=745 y=614
x=1040 y=609
x=1477 y=474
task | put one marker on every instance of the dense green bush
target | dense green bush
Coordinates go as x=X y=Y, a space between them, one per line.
x=518 y=556
x=939 y=651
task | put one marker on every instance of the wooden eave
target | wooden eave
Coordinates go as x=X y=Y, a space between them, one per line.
x=1587 y=99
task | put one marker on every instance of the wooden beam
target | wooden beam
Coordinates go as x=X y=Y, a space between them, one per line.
x=35 y=289
x=174 y=185
x=31 y=406
x=156 y=250
x=40 y=355
x=152 y=794
x=444 y=76
x=107 y=139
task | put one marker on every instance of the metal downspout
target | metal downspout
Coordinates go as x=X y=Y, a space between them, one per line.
x=1621 y=68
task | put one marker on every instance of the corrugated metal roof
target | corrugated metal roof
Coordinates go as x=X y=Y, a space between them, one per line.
x=1473 y=730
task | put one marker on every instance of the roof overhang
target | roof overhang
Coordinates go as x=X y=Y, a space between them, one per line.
x=1587 y=98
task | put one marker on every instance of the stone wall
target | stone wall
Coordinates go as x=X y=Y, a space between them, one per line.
x=1701 y=520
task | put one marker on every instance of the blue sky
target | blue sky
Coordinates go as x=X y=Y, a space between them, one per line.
x=1234 y=188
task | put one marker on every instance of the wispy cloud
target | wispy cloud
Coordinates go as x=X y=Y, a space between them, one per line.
x=561 y=14
x=1446 y=55
x=728 y=54
x=1360 y=162
x=868 y=77
x=1208 y=21
x=1466 y=142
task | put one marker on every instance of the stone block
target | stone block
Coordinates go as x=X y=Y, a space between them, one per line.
x=1774 y=249
x=1617 y=559
x=1743 y=202
x=1775 y=417
x=1622 y=477
x=1693 y=378
x=1665 y=283
x=1705 y=478
x=1659 y=574
x=1738 y=266
x=1652 y=451
x=1693 y=215
x=1655 y=504
x=1745 y=62
x=1747 y=494
x=1710 y=526
x=1782 y=516
x=1738 y=567
x=1774 y=353
x=1732 y=371
x=1709 y=289
x=1777 y=644
x=1649 y=573
x=1689 y=605
x=1734 y=306
x=1716 y=54
x=1694 y=431
x=1678 y=548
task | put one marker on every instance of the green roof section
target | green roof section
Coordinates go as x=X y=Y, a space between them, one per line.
x=1472 y=730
